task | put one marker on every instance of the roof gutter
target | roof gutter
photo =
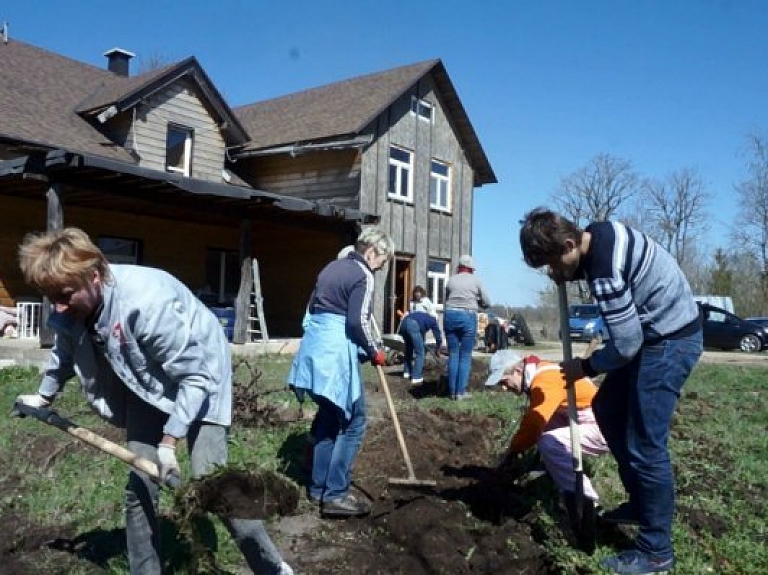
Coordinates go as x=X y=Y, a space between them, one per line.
x=297 y=148
x=202 y=187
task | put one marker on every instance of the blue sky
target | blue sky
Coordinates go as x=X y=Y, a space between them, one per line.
x=547 y=84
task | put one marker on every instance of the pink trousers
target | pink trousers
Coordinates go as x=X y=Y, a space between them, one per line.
x=555 y=448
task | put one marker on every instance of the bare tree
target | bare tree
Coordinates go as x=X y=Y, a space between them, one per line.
x=750 y=230
x=676 y=209
x=595 y=193
x=154 y=61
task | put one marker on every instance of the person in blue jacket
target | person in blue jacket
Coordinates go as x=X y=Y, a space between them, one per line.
x=337 y=337
x=151 y=358
x=414 y=328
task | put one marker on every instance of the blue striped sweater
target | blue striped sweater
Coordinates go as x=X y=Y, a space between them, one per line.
x=642 y=292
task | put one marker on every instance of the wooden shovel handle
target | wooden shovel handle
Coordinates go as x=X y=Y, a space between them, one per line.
x=101 y=443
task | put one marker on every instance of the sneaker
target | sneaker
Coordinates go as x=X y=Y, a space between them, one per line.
x=465 y=395
x=284 y=569
x=417 y=380
x=406 y=375
x=624 y=514
x=634 y=562
x=347 y=506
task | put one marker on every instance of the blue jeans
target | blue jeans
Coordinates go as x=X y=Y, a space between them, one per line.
x=414 y=348
x=634 y=408
x=207 y=444
x=337 y=441
x=460 y=328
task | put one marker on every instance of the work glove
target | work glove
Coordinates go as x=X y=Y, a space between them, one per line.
x=33 y=400
x=379 y=358
x=169 y=465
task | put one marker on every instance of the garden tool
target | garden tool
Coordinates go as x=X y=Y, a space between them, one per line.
x=244 y=530
x=411 y=479
x=580 y=509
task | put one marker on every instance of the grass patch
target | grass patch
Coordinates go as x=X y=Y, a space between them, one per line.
x=719 y=445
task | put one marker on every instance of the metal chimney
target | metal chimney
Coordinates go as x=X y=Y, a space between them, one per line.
x=118 y=61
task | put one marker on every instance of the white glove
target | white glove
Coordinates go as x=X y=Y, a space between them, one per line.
x=169 y=465
x=35 y=400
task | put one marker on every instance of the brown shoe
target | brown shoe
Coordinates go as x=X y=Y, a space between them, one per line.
x=347 y=506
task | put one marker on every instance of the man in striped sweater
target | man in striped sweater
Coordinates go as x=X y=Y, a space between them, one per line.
x=656 y=339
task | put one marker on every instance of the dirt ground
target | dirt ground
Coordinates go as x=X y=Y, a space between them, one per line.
x=473 y=520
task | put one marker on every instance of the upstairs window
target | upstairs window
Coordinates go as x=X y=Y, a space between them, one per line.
x=421 y=108
x=439 y=186
x=400 y=174
x=437 y=277
x=178 y=149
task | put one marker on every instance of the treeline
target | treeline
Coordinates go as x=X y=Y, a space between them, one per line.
x=676 y=210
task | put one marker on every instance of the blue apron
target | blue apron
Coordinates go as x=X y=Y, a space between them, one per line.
x=327 y=362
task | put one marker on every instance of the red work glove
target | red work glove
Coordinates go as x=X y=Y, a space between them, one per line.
x=379 y=358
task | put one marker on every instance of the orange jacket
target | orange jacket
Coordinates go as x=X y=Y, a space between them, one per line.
x=547 y=395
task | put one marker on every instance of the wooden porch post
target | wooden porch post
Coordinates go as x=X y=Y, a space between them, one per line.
x=55 y=222
x=243 y=300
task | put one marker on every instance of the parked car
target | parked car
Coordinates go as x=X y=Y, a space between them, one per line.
x=725 y=330
x=763 y=321
x=585 y=322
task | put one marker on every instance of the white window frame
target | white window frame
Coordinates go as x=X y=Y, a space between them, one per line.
x=185 y=165
x=422 y=109
x=403 y=176
x=437 y=278
x=442 y=186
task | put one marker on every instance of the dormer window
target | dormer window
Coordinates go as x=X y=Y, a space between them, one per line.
x=178 y=149
x=421 y=108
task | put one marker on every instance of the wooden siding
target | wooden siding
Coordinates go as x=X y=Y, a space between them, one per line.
x=332 y=176
x=19 y=218
x=178 y=104
x=290 y=256
x=418 y=230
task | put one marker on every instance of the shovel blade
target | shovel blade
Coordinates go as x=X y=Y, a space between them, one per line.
x=582 y=517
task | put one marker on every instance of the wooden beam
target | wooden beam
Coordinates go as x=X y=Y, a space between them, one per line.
x=55 y=222
x=243 y=300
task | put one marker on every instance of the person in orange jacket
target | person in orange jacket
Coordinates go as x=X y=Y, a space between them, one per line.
x=545 y=422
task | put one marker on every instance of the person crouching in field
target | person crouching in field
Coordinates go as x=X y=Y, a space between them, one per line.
x=545 y=422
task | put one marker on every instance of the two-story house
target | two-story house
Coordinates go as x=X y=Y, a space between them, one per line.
x=397 y=144
x=161 y=171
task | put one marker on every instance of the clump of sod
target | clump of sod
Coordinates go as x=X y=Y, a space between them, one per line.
x=229 y=492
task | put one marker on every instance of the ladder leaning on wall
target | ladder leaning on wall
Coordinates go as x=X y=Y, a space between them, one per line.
x=257 y=327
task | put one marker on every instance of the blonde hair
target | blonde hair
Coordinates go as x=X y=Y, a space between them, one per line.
x=58 y=258
x=376 y=238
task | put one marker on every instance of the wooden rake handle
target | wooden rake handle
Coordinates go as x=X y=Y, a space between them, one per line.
x=396 y=422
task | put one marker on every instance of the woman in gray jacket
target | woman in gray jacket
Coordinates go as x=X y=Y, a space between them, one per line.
x=464 y=295
x=151 y=358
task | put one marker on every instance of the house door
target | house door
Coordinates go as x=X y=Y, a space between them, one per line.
x=398 y=290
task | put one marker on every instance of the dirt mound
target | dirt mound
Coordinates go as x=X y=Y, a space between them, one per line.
x=473 y=521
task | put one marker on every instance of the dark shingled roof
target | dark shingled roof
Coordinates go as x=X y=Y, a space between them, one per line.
x=45 y=99
x=346 y=108
x=40 y=92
